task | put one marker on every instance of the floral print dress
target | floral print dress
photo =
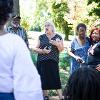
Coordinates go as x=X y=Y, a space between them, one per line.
x=81 y=51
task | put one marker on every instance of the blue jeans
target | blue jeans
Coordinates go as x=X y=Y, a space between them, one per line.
x=6 y=96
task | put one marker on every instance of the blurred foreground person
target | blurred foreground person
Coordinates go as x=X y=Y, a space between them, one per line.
x=19 y=79
x=83 y=84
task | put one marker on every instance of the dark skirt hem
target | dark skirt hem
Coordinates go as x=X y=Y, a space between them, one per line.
x=49 y=73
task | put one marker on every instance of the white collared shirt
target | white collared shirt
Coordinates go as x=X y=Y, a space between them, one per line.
x=17 y=71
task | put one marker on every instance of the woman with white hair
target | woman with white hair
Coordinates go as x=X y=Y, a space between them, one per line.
x=48 y=48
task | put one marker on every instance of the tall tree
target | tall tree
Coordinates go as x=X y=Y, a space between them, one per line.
x=42 y=12
x=58 y=13
x=16 y=10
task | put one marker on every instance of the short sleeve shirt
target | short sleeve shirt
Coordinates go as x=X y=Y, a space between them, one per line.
x=44 y=42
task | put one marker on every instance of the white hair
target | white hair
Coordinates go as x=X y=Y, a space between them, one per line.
x=52 y=24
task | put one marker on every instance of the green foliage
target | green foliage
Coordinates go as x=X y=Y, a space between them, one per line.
x=58 y=13
x=38 y=11
x=64 y=60
x=95 y=10
x=64 y=76
x=25 y=23
x=41 y=14
x=96 y=1
x=33 y=56
x=35 y=28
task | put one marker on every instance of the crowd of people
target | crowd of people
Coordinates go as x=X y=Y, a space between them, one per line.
x=20 y=79
x=84 y=80
x=84 y=51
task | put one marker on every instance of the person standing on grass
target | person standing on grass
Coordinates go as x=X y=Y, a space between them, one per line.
x=79 y=48
x=50 y=44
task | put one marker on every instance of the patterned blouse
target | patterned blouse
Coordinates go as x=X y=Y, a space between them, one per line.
x=79 y=50
x=44 y=42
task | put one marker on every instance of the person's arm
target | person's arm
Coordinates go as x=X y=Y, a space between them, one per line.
x=58 y=43
x=39 y=50
x=27 y=85
x=70 y=52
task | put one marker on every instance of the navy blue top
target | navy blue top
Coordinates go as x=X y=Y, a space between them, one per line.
x=54 y=54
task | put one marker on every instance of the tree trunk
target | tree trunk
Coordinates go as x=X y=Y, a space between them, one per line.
x=66 y=37
x=16 y=9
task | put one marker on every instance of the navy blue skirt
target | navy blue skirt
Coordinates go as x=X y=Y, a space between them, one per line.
x=6 y=96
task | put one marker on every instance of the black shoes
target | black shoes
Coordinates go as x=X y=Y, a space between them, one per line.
x=46 y=98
